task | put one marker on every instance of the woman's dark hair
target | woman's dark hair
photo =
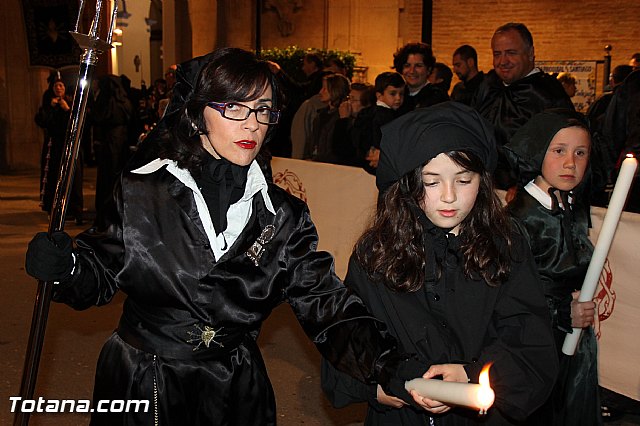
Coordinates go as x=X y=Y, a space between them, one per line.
x=402 y=55
x=392 y=248
x=230 y=75
x=338 y=87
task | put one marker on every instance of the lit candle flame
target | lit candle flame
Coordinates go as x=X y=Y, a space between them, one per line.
x=486 y=396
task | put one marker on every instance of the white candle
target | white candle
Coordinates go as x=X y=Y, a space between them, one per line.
x=478 y=396
x=600 y=251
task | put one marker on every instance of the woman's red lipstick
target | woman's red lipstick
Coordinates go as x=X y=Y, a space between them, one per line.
x=246 y=144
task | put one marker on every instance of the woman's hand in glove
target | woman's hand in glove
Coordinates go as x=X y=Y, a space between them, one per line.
x=50 y=259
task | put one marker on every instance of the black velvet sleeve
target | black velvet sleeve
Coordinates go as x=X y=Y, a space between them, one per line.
x=337 y=321
x=332 y=316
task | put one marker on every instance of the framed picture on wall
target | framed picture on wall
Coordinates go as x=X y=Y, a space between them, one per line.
x=48 y=23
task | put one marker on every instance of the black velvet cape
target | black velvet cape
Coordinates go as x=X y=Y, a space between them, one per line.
x=510 y=107
x=562 y=257
x=559 y=241
x=458 y=320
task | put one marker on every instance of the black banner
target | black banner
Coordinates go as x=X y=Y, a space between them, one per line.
x=48 y=23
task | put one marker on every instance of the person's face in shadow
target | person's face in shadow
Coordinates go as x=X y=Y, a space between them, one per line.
x=415 y=71
x=59 y=89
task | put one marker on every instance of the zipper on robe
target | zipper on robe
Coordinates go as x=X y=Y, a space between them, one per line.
x=155 y=394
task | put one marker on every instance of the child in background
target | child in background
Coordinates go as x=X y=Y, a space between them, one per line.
x=389 y=89
x=346 y=131
x=442 y=269
x=335 y=90
x=551 y=155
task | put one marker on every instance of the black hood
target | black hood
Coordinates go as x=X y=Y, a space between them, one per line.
x=528 y=146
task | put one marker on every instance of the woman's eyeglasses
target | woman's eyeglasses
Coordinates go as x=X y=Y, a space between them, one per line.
x=238 y=112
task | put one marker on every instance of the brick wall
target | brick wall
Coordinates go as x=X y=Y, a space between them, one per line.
x=410 y=22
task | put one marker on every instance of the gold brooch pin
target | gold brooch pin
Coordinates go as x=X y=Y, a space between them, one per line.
x=206 y=336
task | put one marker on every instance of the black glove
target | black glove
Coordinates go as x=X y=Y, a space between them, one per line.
x=50 y=259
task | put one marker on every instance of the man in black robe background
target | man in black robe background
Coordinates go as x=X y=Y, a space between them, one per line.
x=515 y=90
x=465 y=65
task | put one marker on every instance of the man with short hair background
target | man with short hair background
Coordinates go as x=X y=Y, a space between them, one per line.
x=465 y=66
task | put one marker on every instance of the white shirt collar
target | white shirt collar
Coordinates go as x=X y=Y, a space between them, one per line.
x=543 y=197
x=413 y=92
x=382 y=104
x=535 y=70
x=238 y=214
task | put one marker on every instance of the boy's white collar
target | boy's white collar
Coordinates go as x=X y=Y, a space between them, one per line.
x=543 y=197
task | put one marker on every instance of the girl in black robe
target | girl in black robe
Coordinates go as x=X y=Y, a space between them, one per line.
x=442 y=268
x=205 y=247
x=551 y=155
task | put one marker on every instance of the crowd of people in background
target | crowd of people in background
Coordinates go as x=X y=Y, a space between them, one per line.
x=118 y=117
x=508 y=96
x=329 y=119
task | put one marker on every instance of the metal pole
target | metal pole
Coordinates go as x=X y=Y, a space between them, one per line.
x=93 y=47
x=607 y=67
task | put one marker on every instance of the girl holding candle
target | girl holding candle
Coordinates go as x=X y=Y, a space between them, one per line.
x=442 y=268
x=551 y=156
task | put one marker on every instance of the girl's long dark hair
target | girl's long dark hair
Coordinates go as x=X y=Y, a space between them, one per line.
x=231 y=75
x=392 y=248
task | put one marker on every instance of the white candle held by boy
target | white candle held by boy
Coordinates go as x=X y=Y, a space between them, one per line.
x=600 y=251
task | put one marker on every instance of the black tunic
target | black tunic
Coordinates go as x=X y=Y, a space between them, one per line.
x=427 y=96
x=187 y=336
x=54 y=120
x=457 y=320
x=562 y=252
x=509 y=107
x=464 y=91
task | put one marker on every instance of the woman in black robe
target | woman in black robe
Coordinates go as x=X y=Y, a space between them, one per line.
x=53 y=117
x=205 y=248
x=553 y=216
x=442 y=268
